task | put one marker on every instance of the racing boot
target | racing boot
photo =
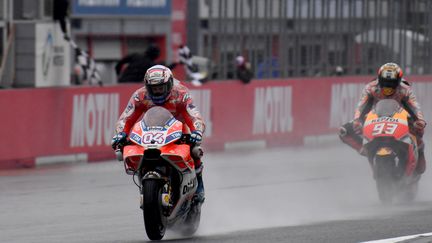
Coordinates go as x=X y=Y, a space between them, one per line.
x=197 y=153
x=199 y=196
x=421 y=162
x=351 y=138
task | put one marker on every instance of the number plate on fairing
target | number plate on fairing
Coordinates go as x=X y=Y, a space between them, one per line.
x=385 y=127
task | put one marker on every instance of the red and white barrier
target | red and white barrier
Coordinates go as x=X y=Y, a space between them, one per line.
x=77 y=123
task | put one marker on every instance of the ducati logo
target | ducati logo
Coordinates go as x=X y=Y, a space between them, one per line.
x=189 y=186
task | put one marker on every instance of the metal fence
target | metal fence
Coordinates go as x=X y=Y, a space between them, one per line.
x=289 y=38
x=7 y=68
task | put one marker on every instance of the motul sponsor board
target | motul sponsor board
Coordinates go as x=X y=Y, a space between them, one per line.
x=93 y=119
x=76 y=120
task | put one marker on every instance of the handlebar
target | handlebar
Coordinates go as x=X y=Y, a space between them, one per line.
x=185 y=138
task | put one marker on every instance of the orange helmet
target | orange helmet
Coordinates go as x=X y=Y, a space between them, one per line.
x=389 y=77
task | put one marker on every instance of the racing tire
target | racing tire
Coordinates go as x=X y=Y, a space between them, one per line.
x=384 y=179
x=385 y=190
x=154 y=220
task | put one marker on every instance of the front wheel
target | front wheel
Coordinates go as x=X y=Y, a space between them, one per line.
x=385 y=181
x=385 y=187
x=154 y=220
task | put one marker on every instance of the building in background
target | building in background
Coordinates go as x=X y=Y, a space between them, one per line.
x=34 y=53
x=110 y=30
x=107 y=29
x=292 y=38
x=280 y=38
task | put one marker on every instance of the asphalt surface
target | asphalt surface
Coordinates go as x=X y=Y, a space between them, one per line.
x=322 y=194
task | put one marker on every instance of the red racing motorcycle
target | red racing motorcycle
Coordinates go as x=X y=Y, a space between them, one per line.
x=392 y=151
x=158 y=154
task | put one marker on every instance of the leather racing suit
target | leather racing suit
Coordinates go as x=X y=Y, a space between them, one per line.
x=179 y=103
x=372 y=93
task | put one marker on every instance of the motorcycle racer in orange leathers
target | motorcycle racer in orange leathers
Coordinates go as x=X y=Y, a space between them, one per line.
x=388 y=85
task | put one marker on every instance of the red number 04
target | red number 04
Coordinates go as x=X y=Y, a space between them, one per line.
x=386 y=128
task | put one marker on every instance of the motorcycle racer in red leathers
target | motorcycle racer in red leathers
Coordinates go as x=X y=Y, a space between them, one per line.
x=161 y=89
x=388 y=85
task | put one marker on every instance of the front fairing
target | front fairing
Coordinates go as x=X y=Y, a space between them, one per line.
x=388 y=125
x=156 y=136
x=386 y=133
x=157 y=132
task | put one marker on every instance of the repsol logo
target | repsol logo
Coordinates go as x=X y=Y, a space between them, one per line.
x=189 y=186
x=385 y=119
x=273 y=110
x=93 y=119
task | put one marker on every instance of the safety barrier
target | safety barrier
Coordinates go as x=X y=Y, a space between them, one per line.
x=76 y=123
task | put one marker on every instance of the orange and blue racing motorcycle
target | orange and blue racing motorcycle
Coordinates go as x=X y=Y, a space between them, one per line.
x=392 y=151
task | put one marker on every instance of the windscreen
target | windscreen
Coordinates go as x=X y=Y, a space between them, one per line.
x=157 y=117
x=387 y=107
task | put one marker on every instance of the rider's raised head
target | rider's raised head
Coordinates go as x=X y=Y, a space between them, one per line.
x=389 y=78
x=159 y=82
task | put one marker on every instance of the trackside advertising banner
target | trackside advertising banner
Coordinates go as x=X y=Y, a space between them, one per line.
x=80 y=120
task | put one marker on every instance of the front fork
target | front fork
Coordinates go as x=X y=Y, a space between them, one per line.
x=166 y=191
x=166 y=198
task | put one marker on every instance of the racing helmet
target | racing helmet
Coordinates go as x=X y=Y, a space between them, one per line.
x=159 y=82
x=389 y=77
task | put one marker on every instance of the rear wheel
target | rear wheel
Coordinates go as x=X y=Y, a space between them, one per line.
x=154 y=220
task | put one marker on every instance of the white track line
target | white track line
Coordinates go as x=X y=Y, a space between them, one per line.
x=399 y=239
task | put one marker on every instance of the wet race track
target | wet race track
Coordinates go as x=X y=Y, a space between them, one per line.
x=279 y=195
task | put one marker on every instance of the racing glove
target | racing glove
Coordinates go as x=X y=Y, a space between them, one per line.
x=119 y=140
x=357 y=126
x=419 y=126
x=195 y=137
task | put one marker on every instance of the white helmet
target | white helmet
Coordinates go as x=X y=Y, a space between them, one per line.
x=159 y=82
